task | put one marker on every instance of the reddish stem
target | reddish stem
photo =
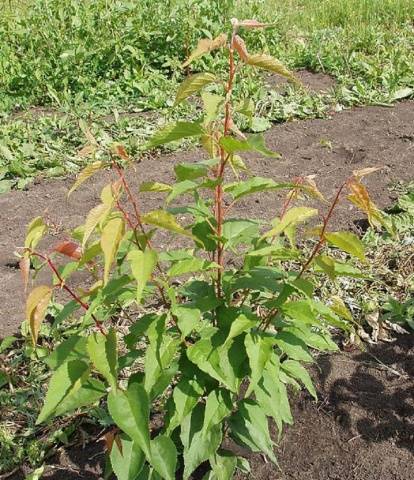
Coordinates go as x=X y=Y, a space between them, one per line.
x=219 y=211
x=62 y=284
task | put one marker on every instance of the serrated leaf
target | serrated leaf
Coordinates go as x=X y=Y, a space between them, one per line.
x=241 y=324
x=174 y=132
x=103 y=352
x=339 y=307
x=66 y=380
x=142 y=266
x=206 y=45
x=130 y=411
x=223 y=464
x=74 y=348
x=94 y=217
x=258 y=350
x=35 y=231
x=127 y=459
x=36 y=305
x=192 y=84
x=326 y=264
x=271 y=394
x=293 y=346
x=163 y=219
x=236 y=232
x=190 y=171
x=254 y=142
x=249 y=427
x=154 y=187
x=197 y=447
x=185 y=396
x=190 y=266
x=180 y=188
x=293 y=216
x=348 y=242
x=298 y=371
x=164 y=456
x=218 y=406
x=90 y=392
x=270 y=64
x=211 y=103
x=253 y=185
x=86 y=173
x=111 y=237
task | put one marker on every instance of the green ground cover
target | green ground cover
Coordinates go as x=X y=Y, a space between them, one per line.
x=95 y=60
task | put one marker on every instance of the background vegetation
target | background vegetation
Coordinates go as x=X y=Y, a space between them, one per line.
x=98 y=59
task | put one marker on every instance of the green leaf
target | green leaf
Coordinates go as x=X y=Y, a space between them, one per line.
x=293 y=216
x=160 y=353
x=188 y=318
x=270 y=64
x=7 y=342
x=127 y=461
x=190 y=171
x=185 y=396
x=276 y=252
x=298 y=371
x=130 y=411
x=348 y=242
x=66 y=381
x=88 y=394
x=198 y=447
x=173 y=132
x=271 y=394
x=211 y=103
x=111 y=237
x=223 y=464
x=142 y=266
x=154 y=187
x=326 y=264
x=253 y=185
x=190 y=266
x=218 y=406
x=163 y=219
x=258 y=350
x=164 y=456
x=193 y=84
x=103 y=352
x=249 y=428
x=180 y=188
x=254 y=143
x=293 y=346
x=36 y=474
x=236 y=232
x=241 y=324
x=300 y=311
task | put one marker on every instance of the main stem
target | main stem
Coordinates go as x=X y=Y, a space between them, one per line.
x=219 y=210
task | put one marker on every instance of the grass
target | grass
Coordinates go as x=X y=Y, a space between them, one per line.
x=94 y=59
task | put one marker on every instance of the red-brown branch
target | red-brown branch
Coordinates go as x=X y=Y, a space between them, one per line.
x=63 y=285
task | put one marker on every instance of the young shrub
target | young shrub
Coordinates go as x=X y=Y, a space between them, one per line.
x=211 y=349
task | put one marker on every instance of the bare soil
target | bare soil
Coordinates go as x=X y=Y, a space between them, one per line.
x=363 y=426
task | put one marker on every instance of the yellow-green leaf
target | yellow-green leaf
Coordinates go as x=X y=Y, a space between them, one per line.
x=154 y=187
x=163 y=219
x=35 y=232
x=292 y=217
x=270 y=64
x=175 y=131
x=87 y=172
x=206 y=45
x=95 y=216
x=348 y=242
x=36 y=306
x=142 y=266
x=193 y=84
x=112 y=234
